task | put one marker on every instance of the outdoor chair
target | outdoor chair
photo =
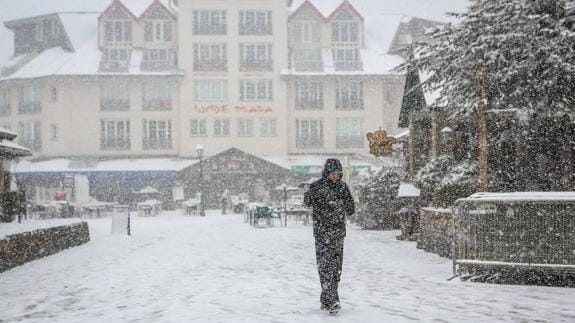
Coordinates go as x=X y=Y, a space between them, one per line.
x=262 y=212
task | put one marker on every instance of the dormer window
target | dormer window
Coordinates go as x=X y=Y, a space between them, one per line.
x=345 y=29
x=345 y=41
x=158 y=31
x=306 y=51
x=118 y=32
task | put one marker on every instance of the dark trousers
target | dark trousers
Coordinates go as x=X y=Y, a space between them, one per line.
x=329 y=257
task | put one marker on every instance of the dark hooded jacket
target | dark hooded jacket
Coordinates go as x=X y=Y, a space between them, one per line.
x=331 y=203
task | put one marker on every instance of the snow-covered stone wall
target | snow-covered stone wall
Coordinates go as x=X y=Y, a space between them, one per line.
x=18 y=249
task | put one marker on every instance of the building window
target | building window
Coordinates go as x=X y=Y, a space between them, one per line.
x=30 y=99
x=210 y=57
x=116 y=58
x=30 y=135
x=158 y=31
x=309 y=133
x=256 y=57
x=345 y=41
x=211 y=90
x=255 y=22
x=245 y=127
x=199 y=128
x=308 y=95
x=155 y=59
x=307 y=59
x=210 y=22
x=268 y=127
x=349 y=133
x=157 y=96
x=118 y=32
x=115 y=134
x=349 y=95
x=53 y=94
x=344 y=29
x=222 y=127
x=306 y=32
x=5 y=103
x=256 y=90
x=347 y=59
x=54 y=133
x=157 y=134
x=114 y=96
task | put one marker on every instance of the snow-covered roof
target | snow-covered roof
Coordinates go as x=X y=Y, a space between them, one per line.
x=522 y=196
x=382 y=19
x=7 y=134
x=408 y=190
x=80 y=21
x=431 y=97
x=112 y=165
x=319 y=160
x=14 y=149
x=427 y=9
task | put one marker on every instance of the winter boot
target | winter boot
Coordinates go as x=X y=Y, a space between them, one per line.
x=334 y=309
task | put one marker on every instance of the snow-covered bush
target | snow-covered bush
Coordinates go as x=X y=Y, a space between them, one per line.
x=459 y=181
x=443 y=180
x=377 y=207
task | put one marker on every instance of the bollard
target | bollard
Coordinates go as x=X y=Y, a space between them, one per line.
x=121 y=219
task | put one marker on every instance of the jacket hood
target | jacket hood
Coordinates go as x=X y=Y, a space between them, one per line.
x=331 y=163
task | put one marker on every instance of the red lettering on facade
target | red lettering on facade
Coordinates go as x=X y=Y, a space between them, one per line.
x=253 y=109
x=216 y=109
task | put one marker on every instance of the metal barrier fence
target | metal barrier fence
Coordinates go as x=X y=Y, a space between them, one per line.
x=528 y=230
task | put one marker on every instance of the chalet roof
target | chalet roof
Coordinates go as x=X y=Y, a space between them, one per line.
x=80 y=21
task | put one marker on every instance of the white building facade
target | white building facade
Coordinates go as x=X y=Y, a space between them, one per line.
x=156 y=78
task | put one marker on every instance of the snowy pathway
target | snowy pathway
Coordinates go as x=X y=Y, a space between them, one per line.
x=218 y=269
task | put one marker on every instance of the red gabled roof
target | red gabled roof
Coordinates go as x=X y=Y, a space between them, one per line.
x=160 y=4
x=117 y=2
x=305 y=5
x=345 y=5
x=123 y=6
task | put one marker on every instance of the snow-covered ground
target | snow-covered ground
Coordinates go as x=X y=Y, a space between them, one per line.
x=217 y=269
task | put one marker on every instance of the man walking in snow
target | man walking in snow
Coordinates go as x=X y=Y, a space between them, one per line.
x=332 y=202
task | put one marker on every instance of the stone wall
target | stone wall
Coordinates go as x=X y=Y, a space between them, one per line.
x=18 y=249
x=436 y=231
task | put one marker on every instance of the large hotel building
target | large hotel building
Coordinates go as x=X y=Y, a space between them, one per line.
x=287 y=81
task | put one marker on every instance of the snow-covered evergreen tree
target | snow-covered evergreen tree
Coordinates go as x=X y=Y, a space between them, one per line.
x=526 y=48
x=377 y=196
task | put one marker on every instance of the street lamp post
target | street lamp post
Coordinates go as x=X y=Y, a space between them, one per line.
x=200 y=152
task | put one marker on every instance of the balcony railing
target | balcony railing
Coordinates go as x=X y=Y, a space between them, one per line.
x=29 y=107
x=115 y=66
x=349 y=104
x=308 y=66
x=309 y=142
x=263 y=65
x=157 y=143
x=159 y=104
x=114 y=105
x=309 y=104
x=349 y=141
x=115 y=144
x=211 y=66
x=348 y=65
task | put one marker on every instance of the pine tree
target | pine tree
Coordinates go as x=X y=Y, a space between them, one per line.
x=527 y=50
